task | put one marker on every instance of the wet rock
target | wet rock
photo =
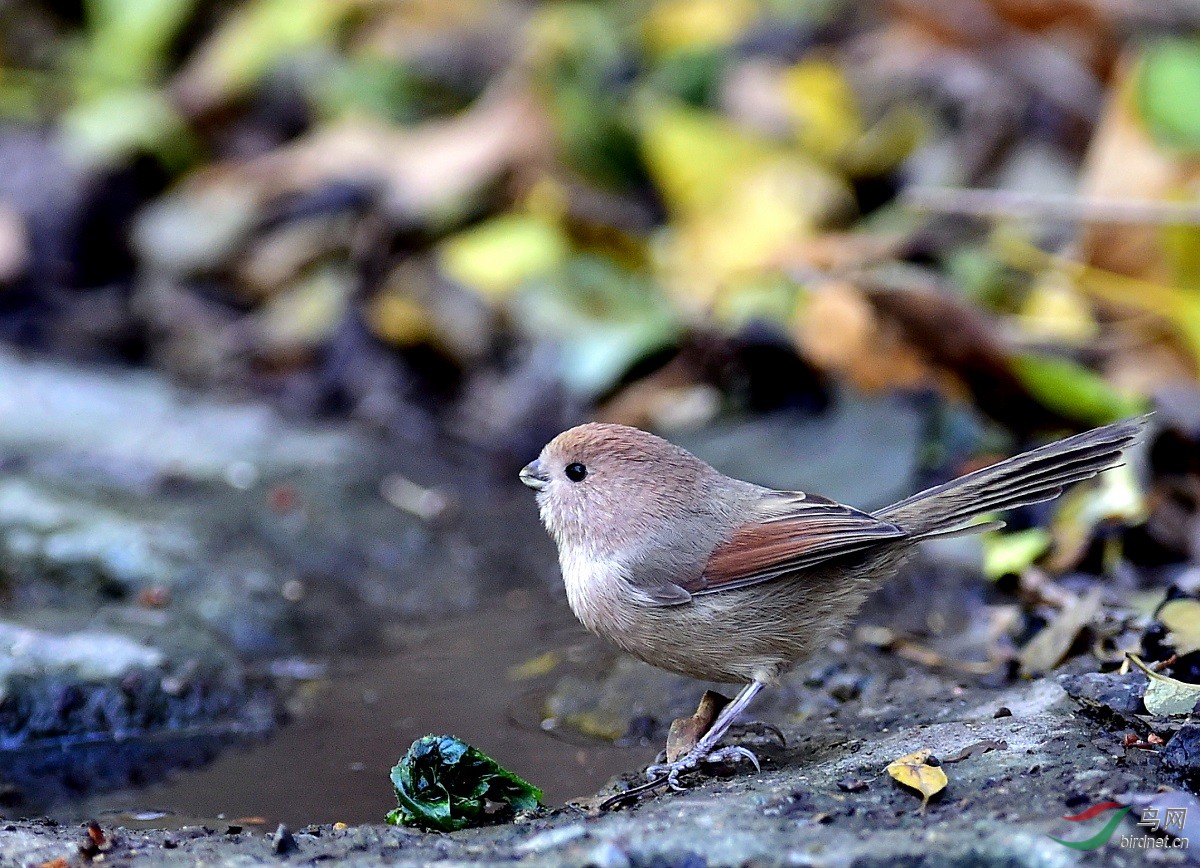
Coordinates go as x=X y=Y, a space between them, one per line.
x=126 y=709
x=1120 y=694
x=1183 y=750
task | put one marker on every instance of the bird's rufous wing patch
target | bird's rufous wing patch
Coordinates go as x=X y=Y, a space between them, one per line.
x=796 y=531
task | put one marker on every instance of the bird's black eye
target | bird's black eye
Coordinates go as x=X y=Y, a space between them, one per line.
x=576 y=472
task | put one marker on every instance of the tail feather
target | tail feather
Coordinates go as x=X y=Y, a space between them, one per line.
x=1032 y=477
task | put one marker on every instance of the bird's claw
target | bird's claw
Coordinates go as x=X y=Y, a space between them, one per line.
x=692 y=760
x=761 y=729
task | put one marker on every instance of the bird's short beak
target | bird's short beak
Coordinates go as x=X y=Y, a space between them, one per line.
x=533 y=475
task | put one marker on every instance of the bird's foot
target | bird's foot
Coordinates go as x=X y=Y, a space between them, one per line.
x=670 y=772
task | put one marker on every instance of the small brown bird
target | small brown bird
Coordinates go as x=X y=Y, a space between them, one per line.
x=724 y=580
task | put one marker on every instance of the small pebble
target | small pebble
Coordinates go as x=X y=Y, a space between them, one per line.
x=285 y=842
x=1003 y=711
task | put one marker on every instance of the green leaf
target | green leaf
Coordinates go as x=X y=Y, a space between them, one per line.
x=1011 y=553
x=1168 y=92
x=498 y=255
x=1073 y=390
x=129 y=40
x=444 y=784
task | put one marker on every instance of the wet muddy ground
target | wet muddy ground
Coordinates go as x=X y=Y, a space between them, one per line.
x=468 y=676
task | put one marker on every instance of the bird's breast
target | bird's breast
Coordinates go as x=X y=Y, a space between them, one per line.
x=598 y=592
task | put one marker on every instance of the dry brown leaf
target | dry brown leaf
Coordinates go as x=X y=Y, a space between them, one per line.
x=1047 y=649
x=1124 y=163
x=913 y=770
x=979 y=747
x=687 y=731
x=839 y=331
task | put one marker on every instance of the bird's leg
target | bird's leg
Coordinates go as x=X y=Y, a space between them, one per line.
x=705 y=749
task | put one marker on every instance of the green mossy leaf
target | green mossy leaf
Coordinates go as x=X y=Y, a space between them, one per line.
x=443 y=784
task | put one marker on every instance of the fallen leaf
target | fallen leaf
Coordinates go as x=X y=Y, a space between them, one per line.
x=495 y=257
x=1182 y=618
x=535 y=667
x=913 y=770
x=1166 y=696
x=1007 y=554
x=1047 y=649
x=685 y=732
x=979 y=747
x=1073 y=390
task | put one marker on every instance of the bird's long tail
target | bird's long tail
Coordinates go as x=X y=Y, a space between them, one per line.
x=1031 y=477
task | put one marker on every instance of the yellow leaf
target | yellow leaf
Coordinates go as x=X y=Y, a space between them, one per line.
x=1182 y=618
x=694 y=156
x=1056 y=312
x=307 y=313
x=499 y=255
x=254 y=38
x=913 y=770
x=1165 y=696
x=535 y=667
x=673 y=25
x=823 y=107
x=398 y=319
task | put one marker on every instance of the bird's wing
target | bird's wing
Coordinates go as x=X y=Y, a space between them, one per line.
x=791 y=531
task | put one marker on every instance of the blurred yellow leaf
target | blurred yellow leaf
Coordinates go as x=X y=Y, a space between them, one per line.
x=1179 y=307
x=913 y=770
x=398 y=319
x=535 y=667
x=823 y=107
x=1182 y=618
x=251 y=40
x=1055 y=311
x=1114 y=495
x=672 y=25
x=307 y=313
x=499 y=255
x=694 y=156
x=738 y=201
x=116 y=124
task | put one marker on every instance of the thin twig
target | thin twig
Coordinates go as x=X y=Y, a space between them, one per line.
x=1013 y=205
x=633 y=792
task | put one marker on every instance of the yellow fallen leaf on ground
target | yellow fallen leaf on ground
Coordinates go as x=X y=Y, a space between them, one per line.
x=913 y=770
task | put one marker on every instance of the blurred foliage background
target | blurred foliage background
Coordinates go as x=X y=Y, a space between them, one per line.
x=488 y=218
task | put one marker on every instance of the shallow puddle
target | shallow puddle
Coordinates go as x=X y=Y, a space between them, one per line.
x=331 y=763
